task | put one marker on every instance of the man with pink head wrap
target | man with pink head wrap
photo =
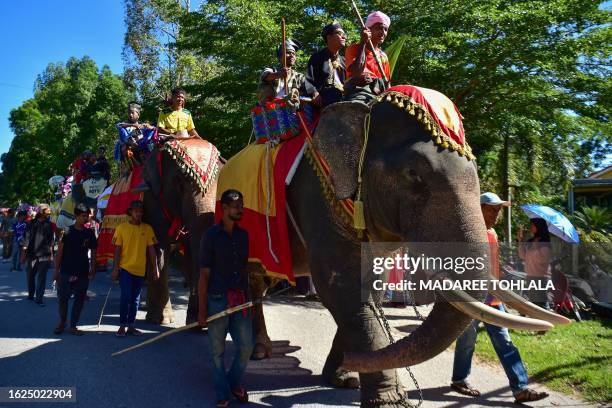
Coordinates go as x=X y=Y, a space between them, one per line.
x=378 y=17
x=364 y=78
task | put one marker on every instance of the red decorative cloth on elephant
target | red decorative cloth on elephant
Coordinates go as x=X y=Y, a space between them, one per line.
x=435 y=111
x=261 y=172
x=197 y=158
x=115 y=213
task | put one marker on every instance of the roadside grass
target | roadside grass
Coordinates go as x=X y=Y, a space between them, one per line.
x=576 y=358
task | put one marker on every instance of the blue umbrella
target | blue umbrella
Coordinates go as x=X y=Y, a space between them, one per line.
x=558 y=224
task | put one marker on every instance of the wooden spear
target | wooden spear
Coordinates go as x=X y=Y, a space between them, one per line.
x=188 y=326
x=104 y=305
x=284 y=51
x=376 y=57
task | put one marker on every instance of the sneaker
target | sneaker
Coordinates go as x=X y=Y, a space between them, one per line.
x=120 y=332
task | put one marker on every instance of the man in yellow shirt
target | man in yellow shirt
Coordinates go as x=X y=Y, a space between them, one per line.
x=133 y=241
x=176 y=120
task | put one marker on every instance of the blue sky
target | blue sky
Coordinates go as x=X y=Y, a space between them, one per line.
x=37 y=32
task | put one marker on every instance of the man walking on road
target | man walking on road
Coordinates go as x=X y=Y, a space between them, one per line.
x=73 y=269
x=38 y=251
x=507 y=352
x=134 y=241
x=18 y=233
x=6 y=229
x=223 y=283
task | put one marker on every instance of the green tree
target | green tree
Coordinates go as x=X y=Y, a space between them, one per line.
x=74 y=108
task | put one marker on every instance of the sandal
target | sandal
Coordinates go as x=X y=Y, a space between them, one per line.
x=223 y=404
x=76 y=331
x=529 y=395
x=59 y=329
x=241 y=395
x=465 y=389
x=134 y=331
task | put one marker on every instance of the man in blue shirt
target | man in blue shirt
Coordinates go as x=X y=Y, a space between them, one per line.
x=224 y=253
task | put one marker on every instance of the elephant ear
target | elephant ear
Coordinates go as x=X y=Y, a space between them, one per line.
x=151 y=172
x=339 y=139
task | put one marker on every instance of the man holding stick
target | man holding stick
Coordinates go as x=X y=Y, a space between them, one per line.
x=223 y=284
x=365 y=79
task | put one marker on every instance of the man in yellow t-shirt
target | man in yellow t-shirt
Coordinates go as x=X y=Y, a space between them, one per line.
x=176 y=120
x=133 y=241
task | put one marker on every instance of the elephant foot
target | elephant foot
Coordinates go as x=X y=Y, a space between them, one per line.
x=388 y=399
x=261 y=351
x=342 y=379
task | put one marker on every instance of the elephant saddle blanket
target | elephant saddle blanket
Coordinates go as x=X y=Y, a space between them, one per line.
x=261 y=172
x=435 y=109
x=115 y=212
x=197 y=158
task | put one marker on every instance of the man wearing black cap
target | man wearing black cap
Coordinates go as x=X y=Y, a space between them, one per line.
x=326 y=70
x=134 y=241
x=272 y=80
x=224 y=252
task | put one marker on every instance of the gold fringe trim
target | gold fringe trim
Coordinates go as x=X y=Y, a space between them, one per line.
x=187 y=169
x=326 y=188
x=422 y=115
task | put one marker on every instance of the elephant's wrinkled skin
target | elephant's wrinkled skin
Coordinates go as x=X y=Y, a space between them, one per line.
x=181 y=198
x=412 y=191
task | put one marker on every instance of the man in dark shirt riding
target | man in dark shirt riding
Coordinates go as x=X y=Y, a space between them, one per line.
x=224 y=252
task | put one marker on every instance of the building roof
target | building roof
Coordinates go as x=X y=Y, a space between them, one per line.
x=600 y=173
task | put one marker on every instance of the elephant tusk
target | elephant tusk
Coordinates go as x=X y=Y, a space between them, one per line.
x=479 y=311
x=527 y=308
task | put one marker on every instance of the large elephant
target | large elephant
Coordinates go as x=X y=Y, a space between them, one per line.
x=413 y=190
x=174 y=197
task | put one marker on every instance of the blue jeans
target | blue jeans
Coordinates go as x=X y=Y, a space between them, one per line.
x=16 y=256
x=507 y=353
x=131 y=286
x=240 y=329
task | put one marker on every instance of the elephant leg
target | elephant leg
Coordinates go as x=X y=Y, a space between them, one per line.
x=364 y=333
x=263 y=345
x=333 y=373
x=159 y=307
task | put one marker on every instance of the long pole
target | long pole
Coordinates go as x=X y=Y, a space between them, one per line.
x=187 y=327
x=376 y=57
x=284 y=51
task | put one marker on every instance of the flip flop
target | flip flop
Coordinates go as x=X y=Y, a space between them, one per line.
x=465 y=389
x=529 y=395
x=241 y=395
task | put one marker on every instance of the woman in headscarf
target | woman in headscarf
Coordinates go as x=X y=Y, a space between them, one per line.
x=536 y=255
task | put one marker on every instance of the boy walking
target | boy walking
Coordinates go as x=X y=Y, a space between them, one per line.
x=134 y=241
x=73 y=269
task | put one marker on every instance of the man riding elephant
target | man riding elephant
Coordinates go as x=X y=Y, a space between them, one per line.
x=176 y=121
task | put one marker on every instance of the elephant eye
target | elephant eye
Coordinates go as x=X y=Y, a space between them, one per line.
x=412 y=174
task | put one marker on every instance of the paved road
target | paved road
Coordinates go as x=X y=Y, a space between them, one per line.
x=175 y=373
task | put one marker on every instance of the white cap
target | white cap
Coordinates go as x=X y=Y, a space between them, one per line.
x=493 y=199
